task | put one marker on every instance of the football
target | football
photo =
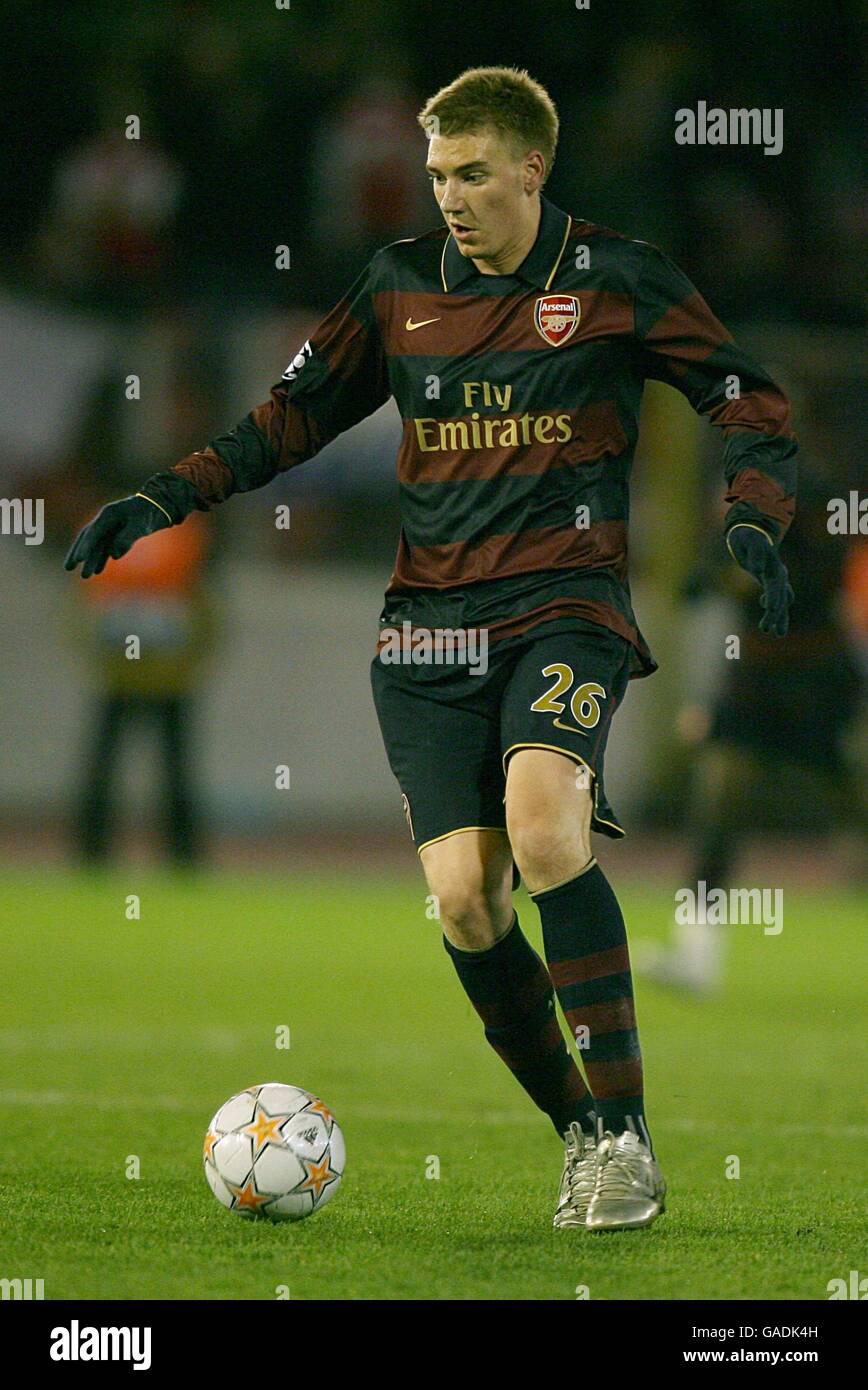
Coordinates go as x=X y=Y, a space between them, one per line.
x=274 y=1151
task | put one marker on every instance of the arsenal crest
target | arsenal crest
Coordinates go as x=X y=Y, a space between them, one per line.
x=556 y=317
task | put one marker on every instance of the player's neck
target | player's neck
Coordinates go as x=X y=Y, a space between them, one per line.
x=512 y=255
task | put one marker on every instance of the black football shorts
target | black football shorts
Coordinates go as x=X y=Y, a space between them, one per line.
x=449 y=734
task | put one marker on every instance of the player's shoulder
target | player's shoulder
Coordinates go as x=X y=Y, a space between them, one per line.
x=411 y=255
x=616 y=257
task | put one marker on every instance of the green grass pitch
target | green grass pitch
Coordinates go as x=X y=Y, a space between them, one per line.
x=122 y=1038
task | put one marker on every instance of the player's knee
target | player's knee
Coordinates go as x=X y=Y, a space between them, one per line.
x=471 y=916
x=550 y=844
x=470 y=878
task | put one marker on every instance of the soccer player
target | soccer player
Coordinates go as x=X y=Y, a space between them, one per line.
x=780 y=708
x=515 y=339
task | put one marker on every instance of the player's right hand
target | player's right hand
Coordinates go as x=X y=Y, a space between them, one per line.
x=112 y=531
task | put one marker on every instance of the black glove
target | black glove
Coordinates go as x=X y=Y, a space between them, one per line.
x=165 y=500
x=753 y=548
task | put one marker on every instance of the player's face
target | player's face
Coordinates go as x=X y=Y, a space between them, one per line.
x=485 y=193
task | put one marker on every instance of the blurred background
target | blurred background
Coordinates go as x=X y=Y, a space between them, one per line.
x=155 y=259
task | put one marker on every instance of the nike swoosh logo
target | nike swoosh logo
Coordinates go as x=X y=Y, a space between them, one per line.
x=569 y=728
x=410 y=325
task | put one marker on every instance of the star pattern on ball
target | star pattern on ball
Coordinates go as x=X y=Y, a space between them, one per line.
x=317 y=1176
x=210 y=1140
x=246 y=1197
x=264 y=1128
x=319 y=1107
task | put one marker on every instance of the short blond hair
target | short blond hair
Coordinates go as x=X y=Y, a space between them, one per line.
x=507 y=100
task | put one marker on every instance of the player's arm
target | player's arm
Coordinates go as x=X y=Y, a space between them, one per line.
x=337 y=379
x=682 y=343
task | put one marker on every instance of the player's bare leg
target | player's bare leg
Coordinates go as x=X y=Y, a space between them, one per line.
x=549 y=809
x=548 y=816
x=470 y=873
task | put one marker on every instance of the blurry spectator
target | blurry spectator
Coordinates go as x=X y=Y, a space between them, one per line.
x=783 y=705
x=106 y=241
x=157 y=594
x=369 y=182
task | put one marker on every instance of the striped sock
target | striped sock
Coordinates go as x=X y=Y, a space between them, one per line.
x=586 y=950
x=510 y=989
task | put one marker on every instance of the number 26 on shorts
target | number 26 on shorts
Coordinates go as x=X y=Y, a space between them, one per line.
x=585 y=700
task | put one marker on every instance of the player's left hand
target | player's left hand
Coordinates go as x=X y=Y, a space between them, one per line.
x=755 y=551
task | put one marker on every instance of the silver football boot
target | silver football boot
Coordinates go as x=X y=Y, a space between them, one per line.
x=579 y=1178
x=629 y=1189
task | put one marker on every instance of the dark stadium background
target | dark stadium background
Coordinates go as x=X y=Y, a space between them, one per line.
x=155 y=258
x=256 y=123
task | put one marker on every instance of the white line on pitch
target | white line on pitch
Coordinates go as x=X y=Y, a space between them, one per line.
x=396 y=1114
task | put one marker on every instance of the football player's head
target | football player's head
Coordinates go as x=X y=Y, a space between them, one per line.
x=492 y=135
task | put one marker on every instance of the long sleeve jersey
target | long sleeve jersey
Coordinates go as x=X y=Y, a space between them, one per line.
x=520 y=398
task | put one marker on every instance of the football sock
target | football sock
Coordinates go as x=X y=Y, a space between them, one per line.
x=510 y=989
x=586 y=948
